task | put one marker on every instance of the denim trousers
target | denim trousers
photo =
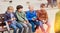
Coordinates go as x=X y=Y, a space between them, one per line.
x=17 y=26
x=34 y=23
x=27 y=27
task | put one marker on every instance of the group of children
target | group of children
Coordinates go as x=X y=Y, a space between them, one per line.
x=27 y=21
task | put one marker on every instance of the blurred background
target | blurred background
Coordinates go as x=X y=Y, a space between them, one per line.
x=51 y=7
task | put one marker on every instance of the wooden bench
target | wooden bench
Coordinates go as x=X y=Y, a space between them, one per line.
x=3 y=26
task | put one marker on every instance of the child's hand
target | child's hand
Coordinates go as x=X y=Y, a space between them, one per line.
x=13 y=19
x=25 y=22
x=33 y=19
x=44 y=21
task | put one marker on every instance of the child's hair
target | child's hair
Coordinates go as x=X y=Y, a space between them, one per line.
x=9 y=7
x=19 y=7
x=42 y=5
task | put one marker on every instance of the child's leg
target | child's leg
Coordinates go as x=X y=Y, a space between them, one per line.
x=41 y=26
x=14 y=27
x=30 y=28
x=25 y=28
x=36 y=23
x=48 y=29
x=33 y=26
x=20 y=27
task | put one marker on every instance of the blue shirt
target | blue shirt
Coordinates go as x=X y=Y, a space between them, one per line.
x=12 y=16
x=31 y=15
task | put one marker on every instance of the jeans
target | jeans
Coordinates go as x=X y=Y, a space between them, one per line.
x=33 y=23
x=27 y=28
x=41 y=25
x=16 y=26
x=42 y=28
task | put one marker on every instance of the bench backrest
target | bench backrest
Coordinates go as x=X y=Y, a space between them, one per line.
x=2 y=20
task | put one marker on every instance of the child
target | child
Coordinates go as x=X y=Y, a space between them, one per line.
x=31 y=16
x=43 y=18
x=11 y=17
x=22 y=19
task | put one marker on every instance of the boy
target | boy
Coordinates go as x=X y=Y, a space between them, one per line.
x=10 y=17
x=23 y=20
x=31 y=16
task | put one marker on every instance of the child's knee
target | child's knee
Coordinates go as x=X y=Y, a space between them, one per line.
x=15 y=28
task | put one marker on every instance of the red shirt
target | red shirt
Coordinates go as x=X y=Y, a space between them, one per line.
x=42 y=15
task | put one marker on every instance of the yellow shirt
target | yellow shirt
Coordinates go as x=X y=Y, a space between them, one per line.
x=57 y=22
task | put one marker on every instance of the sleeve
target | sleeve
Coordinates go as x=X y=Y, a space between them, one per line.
x=46 y=16
x=25 y=16
x=5 y=18
x=19 y=18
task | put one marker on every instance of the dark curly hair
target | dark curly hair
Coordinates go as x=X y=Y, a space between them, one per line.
x=19 y=7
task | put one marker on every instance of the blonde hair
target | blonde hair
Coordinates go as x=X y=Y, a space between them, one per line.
x=10 y=7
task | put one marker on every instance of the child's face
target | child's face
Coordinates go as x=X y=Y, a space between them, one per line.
x=20 y=10
x=31 y=8
x=10 y=10
x=43 y=7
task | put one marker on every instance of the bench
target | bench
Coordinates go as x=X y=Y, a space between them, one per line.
x=3 y=26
